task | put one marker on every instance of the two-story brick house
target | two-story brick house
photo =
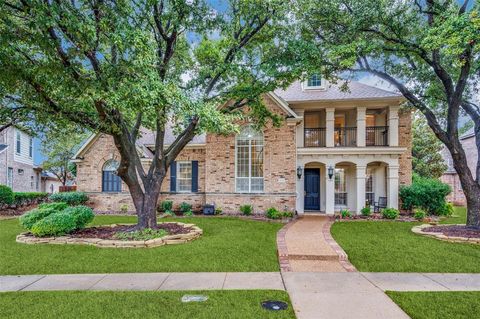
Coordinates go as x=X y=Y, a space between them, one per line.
x=336 y=149
x=17 y=168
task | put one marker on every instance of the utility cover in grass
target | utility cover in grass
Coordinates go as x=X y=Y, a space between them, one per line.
x=274 y=305
x=194 y=298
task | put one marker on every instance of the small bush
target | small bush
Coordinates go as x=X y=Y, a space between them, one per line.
x=273 y=213
x=81 y=214
x=6 y=195
x=30 y=218
x=419 y=214
x=246 y=210
x=287 y=214
x=425 y=193
x=345 y=213
x=166 y=205
x=21 y=198
x=169 y=213
x=56 y=206
x=124 y=208
x=145 y=234
x=188 y=213
x=185 y=207
x=446 y=210
x=71 y=198
x=366 y=211
x=390 y=213
x=54 y=225
x=218 y=210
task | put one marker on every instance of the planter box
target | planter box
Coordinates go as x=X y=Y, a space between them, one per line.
x=209 y=209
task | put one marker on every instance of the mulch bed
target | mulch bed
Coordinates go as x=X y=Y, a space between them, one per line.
x=107 y=232
x=18 y=211
x=454 y=231
x=379 y=217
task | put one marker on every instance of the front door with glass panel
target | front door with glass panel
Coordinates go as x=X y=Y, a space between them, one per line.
x=312 y=189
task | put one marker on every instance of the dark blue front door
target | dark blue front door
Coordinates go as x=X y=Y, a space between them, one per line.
x=312 y=189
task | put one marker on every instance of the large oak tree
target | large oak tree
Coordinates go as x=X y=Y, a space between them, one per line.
x=428 y=50
x=115 y=66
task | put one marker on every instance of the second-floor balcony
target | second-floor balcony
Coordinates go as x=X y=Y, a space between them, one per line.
x=346 y=136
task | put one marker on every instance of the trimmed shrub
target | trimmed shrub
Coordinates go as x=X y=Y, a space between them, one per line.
x=185 y=207
x=188 y=213
x=6 y=195
x=425 y=193
x=54 y=225
x=287 y=214
x=345 y=213
x=30 y=218
x=56 y=206
x=166 y=205
x=71 y=198
x=246 y=210
x=273 y=213
x=446 y=210
x=21 y=198
x=419 y=214
x=81 y=214
x=390 y=213
x=366 y=211
x=218 y=210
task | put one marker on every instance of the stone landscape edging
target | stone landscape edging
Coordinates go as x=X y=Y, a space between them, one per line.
x=110 y=243
x=440 y=236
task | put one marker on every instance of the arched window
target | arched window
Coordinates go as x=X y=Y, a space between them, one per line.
x=249 y=161
x=111 y=182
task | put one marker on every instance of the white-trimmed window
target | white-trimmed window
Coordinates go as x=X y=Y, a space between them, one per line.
x=184 y=176
x=369 y=189
x=249 y=161
x=30 y=147
x=18 y=145
x=111 y=182
x=314 y=81
x=340 y=187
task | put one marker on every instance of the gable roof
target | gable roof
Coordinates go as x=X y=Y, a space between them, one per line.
x=468 y=134
x=333 y=92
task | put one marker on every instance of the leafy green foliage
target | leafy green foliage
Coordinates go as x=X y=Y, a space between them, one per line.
x=56 y=206
x=82 y=215
x=188 y=213
x=144 y=234
x=185 y=207
x=21 y=198
x=390 y=213
x=345 y=213
x=419 y=214
x=287 y=214
x=427 y=160
x=166 y=205
x=366 y=211
x=273 y=213
x=71 y=198
x=246 y=209
x=427 y=194
x=28 y=219
x=6 y=195
x=55 y=224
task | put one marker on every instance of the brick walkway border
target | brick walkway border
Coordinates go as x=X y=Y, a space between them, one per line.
x=342 y=255
x=282 y=250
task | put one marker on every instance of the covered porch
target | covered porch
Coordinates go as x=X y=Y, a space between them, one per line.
x=328 y=184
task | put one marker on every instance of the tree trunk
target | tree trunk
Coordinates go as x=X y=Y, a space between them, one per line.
x=473 y=207
x=146 y=207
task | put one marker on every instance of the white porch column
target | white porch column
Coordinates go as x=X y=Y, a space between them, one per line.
x=393 y=125
x=330 y=126
x=361 y=125
x=361 y=177
x=329 y=190
x=392 y=186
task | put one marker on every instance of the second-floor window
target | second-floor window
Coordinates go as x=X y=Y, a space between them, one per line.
x=18 y=145
x=314 y=80
x=30 y=147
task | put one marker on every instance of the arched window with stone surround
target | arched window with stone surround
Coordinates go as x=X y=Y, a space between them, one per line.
x=249 y=160
x=111 y=182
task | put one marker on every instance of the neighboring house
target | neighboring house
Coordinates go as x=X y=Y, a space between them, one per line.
x=450 y=177
x=335 y=150
x=50 y=183
x=16 y=161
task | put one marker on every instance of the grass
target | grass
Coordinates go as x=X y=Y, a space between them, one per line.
x=392 y=247
x=135 y=304
x=227 y=244
x=459 y=216
x=434 y=305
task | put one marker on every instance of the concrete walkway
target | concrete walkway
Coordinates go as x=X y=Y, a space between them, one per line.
x=144 y=281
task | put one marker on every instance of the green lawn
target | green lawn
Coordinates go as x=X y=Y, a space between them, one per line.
x=135 y=304
x=435 y=305
x=227 y=244
x=459 y=216
x=392 y=247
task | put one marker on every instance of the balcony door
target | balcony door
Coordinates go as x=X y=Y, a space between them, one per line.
x=312 y=189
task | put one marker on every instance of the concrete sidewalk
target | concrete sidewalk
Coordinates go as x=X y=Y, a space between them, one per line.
x=144 y=281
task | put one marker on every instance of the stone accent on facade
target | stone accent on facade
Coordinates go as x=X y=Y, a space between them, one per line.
x=405 y=140
x=196 y=232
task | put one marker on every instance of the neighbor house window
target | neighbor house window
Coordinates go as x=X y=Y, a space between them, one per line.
x=249 y=160
x=314 y=80
x=184 y=176
x=30 y=147
x=111 y=182
x=18 y=143
x=340 y=187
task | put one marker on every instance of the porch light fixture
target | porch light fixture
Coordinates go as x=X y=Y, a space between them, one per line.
x=299 y=172
x=330 y=172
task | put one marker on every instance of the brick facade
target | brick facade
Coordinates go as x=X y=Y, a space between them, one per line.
x=405 y=140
